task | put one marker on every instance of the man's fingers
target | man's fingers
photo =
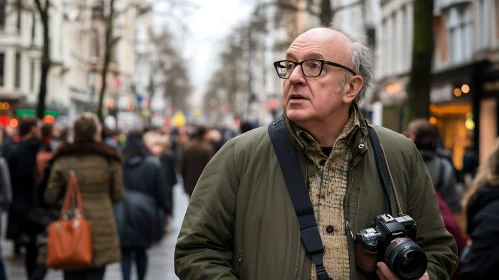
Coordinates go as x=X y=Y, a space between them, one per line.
x=426 y=276
x=380 y=275
x=387 y=273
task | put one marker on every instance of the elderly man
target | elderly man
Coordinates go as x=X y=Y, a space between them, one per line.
x=241 y=222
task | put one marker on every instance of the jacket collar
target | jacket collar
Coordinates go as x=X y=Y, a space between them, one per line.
x=358 y=138
x=89 y=148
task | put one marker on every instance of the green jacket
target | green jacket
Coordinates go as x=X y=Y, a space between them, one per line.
x=241 y=224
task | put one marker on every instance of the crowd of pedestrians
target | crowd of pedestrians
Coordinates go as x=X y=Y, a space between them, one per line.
x=125 y=180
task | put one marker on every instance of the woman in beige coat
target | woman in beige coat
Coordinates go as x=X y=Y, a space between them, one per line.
x=98 y=171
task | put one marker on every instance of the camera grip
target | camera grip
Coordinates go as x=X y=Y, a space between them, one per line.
x=365 y=259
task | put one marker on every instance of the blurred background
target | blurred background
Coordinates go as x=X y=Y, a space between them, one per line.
x=180 y=64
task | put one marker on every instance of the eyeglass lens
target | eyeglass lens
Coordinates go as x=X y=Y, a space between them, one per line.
x=310 y=68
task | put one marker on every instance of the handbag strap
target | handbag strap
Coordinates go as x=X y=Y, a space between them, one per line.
x=297 y=189
x=73 y=195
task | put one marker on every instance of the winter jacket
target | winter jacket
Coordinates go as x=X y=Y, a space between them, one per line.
x=482 y=261
x=241 y=224
x=141 y=215
x=442 y=176
x=21 y=160
x=94 y=164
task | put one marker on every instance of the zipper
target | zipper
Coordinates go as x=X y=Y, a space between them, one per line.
x=298 y=247
x=346 y=214
x=240 y=265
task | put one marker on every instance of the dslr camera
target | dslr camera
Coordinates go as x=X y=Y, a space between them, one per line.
x=390 y=240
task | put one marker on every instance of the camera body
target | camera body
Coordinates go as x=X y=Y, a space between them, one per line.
x=390 y=240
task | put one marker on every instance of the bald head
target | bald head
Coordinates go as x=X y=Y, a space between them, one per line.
x=335 y=46
x=338 y=47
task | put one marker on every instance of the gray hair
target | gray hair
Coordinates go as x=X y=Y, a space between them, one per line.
x=362 y=62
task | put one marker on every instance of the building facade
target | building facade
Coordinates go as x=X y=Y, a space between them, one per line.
x=463 y=94
x=77 y=47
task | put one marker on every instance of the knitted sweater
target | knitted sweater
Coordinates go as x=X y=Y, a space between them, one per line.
x=327 y=191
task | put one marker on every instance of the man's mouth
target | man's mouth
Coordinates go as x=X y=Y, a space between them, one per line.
x=296 y=97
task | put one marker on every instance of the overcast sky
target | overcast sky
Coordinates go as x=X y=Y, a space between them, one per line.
x=202 y=38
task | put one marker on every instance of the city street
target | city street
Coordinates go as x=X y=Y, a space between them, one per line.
x=160 y=257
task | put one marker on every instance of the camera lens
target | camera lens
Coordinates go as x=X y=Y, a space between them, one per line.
x=406 y=259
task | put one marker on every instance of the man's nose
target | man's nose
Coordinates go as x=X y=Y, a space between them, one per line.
x=297 y=76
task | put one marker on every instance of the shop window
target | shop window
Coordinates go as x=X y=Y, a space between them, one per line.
x=451 y=121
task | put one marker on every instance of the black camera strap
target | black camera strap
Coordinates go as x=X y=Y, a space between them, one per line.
x=298 y=191
x=381 y=166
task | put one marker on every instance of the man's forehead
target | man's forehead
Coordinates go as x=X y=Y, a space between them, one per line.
x=323 y=42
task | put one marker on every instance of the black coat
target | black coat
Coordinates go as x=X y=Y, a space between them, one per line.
x=141 y=216
x=21 y=159
x=168 y=162
x=483 y=228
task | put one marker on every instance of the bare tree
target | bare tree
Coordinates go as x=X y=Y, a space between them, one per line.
x=418 y=89
x=46 y=62
x=172 y=67
x=111 y=40
x=108 y=48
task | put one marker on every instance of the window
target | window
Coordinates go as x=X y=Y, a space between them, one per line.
x=33 y=28
x=497 y=18
x=94 y=40
x=32 y=76
x=458 y=30
x=2 y=73
x=2 y=13
x=405 y=34
x=481 y=23
x=19 y=13
x=17 y=81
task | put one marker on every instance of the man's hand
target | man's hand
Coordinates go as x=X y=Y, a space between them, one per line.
x=384 y=273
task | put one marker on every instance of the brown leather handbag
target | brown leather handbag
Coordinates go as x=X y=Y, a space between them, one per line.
x=69 y=243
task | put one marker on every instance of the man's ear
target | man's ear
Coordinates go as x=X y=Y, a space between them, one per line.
x=352 y=88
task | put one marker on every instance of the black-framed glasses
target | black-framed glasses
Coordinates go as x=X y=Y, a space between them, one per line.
x=310 y=67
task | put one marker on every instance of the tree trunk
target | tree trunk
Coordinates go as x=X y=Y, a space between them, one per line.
x=419 y=86
x=107 y=59
x=46 y=61
x=326 y=16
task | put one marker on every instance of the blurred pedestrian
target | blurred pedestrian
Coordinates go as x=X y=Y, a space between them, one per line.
x=112 y=137
x=98 y=170
x=22 y=163
x=195 y=157
x=214 y=138
x=5 y=200
x=157 y=143
x=481 y=203
x=45 y=154
x=441 y=171
x=141 y=215
x=246 y=126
